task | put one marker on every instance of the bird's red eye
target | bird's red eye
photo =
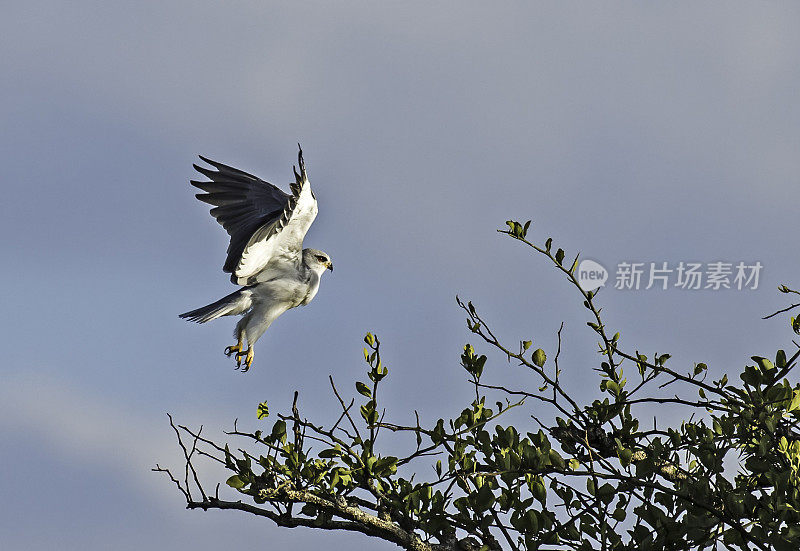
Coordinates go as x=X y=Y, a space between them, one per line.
x=322 y=258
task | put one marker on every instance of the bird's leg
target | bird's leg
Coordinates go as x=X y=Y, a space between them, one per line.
x=235 y=349
x=238 y=352
x=248 y=361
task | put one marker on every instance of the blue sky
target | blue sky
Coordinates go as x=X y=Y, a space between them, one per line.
x=628 y=131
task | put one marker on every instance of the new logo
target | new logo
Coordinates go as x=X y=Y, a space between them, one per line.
x=591 y=275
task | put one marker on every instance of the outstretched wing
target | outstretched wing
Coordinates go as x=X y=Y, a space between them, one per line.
x=265 y=224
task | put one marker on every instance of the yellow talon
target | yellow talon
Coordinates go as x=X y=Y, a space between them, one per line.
x=235 y=349
x=238 y=352
x=230 y=350
x=248 y=361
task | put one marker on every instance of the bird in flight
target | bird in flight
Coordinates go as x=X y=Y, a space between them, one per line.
x=265 y=255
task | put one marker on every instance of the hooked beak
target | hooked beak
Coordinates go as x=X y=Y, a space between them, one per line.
x=330 y=266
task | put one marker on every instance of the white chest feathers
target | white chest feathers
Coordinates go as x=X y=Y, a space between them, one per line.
x=313 y=287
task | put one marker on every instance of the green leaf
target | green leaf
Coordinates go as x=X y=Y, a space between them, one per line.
x=556 y=460
x=539 y=491
x=560 y=256
x=369 y=413
x=763 y=363
x=263 y=410
x=385 y=465
x=330 y=453
x=279 y=429
x=699 y=368
x=539 y=357
x=363 y=389
x=526 y=345
x=531 y=521
x=795 y=403
x=606 y=493
x=243 y=464
x=751 y=376
x=235 y=482
x=484 y=498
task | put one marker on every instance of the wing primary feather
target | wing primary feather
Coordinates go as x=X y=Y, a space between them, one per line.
x=221 y=198
x=216 y=187
x=225 y=168
x=208 y=173
x=300 y=162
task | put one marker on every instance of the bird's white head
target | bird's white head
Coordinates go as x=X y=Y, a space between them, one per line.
x=317 y=260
